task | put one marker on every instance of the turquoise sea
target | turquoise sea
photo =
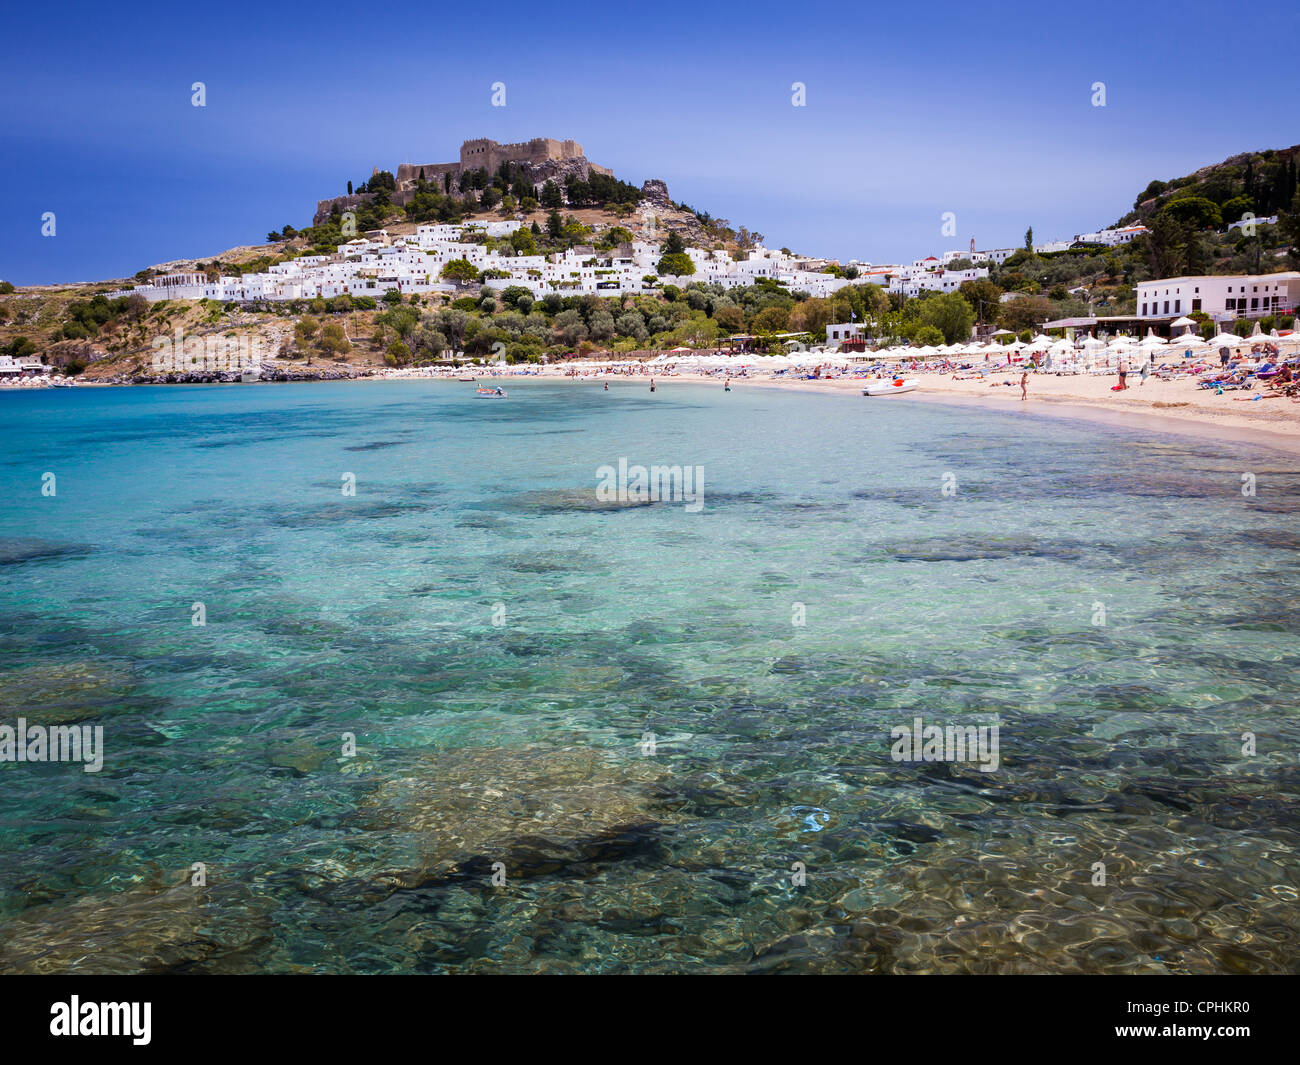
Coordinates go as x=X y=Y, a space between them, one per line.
x=664 y=734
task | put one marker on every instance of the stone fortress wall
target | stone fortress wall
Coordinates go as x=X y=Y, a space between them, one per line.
x=544 y=158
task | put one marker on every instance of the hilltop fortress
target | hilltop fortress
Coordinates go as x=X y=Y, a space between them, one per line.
x=488 y=155
x=542 y=159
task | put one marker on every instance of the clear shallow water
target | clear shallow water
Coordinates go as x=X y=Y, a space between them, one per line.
x=522 y=743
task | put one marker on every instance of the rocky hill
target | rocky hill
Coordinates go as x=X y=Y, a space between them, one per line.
x=1261 y=183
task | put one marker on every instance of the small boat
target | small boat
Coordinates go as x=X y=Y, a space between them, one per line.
x=894 y=387
x=491 y=393
x=464 y=379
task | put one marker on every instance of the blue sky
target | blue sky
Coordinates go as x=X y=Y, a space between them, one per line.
x=912 y=110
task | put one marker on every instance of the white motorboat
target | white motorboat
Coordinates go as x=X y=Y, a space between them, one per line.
x=890 y=387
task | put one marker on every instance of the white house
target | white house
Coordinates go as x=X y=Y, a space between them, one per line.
x=843 y=331
x=1223 y=297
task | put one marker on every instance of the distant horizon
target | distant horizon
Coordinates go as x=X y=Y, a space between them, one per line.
x=832 y=151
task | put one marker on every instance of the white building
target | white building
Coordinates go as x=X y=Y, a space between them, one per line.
x=1111 y=237
x=1271 y=220
x=843 y=331
x=17 y=366
x=912 y=284
x=1224 y=297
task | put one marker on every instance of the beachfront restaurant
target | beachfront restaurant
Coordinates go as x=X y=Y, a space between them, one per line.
x=1120 y=323
x=21 y=366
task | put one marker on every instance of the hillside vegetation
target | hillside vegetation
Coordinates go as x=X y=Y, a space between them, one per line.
x=80 y=330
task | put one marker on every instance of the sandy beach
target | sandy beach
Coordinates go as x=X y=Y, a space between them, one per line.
x=1175 y=406
x=1165 y=406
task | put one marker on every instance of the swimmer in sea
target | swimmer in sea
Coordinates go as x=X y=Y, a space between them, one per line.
x=652 y=384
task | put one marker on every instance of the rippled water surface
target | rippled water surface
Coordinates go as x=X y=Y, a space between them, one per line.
x=649 y=745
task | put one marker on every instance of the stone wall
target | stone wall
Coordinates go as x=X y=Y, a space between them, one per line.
x=543 y=159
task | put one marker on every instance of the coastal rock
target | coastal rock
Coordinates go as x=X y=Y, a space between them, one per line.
x=137 y=931
x=63 y=693
x=300 y=756
x=536 y=811
x=565 y=500
x=15 y=550
x=73 y=352
x=268 y=372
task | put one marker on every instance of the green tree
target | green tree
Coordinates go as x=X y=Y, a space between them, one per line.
x=570 y=328
x=771 y=320
x=983 y=296
x=950 y=314
x=1165 y=245
x=460 y=270
x=333 y=340
x=814 y=315
x=552 y=198
x=601 y=325
x=676 y=263
x=1195 y=211
x=305 y=330
x=632 y=324
x=1152 y=191
x=397 y=354
x=1288 y=226
x=522 y=241
x=729 y=319
x=1024 y=314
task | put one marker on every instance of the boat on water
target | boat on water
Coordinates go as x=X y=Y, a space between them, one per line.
x=491 y=393
x=895 y=387
x=465 y=379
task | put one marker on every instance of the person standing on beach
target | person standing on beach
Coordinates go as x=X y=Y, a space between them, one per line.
x=1224 y=353
x=1123 y=373
x=1024 y=386
x=1145 y=371
x=652 y=384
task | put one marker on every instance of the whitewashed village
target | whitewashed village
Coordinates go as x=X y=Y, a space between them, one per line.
x=634 y=253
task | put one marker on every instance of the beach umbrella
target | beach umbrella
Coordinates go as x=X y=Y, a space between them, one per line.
x=1229 y=340
x=1193 y=344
